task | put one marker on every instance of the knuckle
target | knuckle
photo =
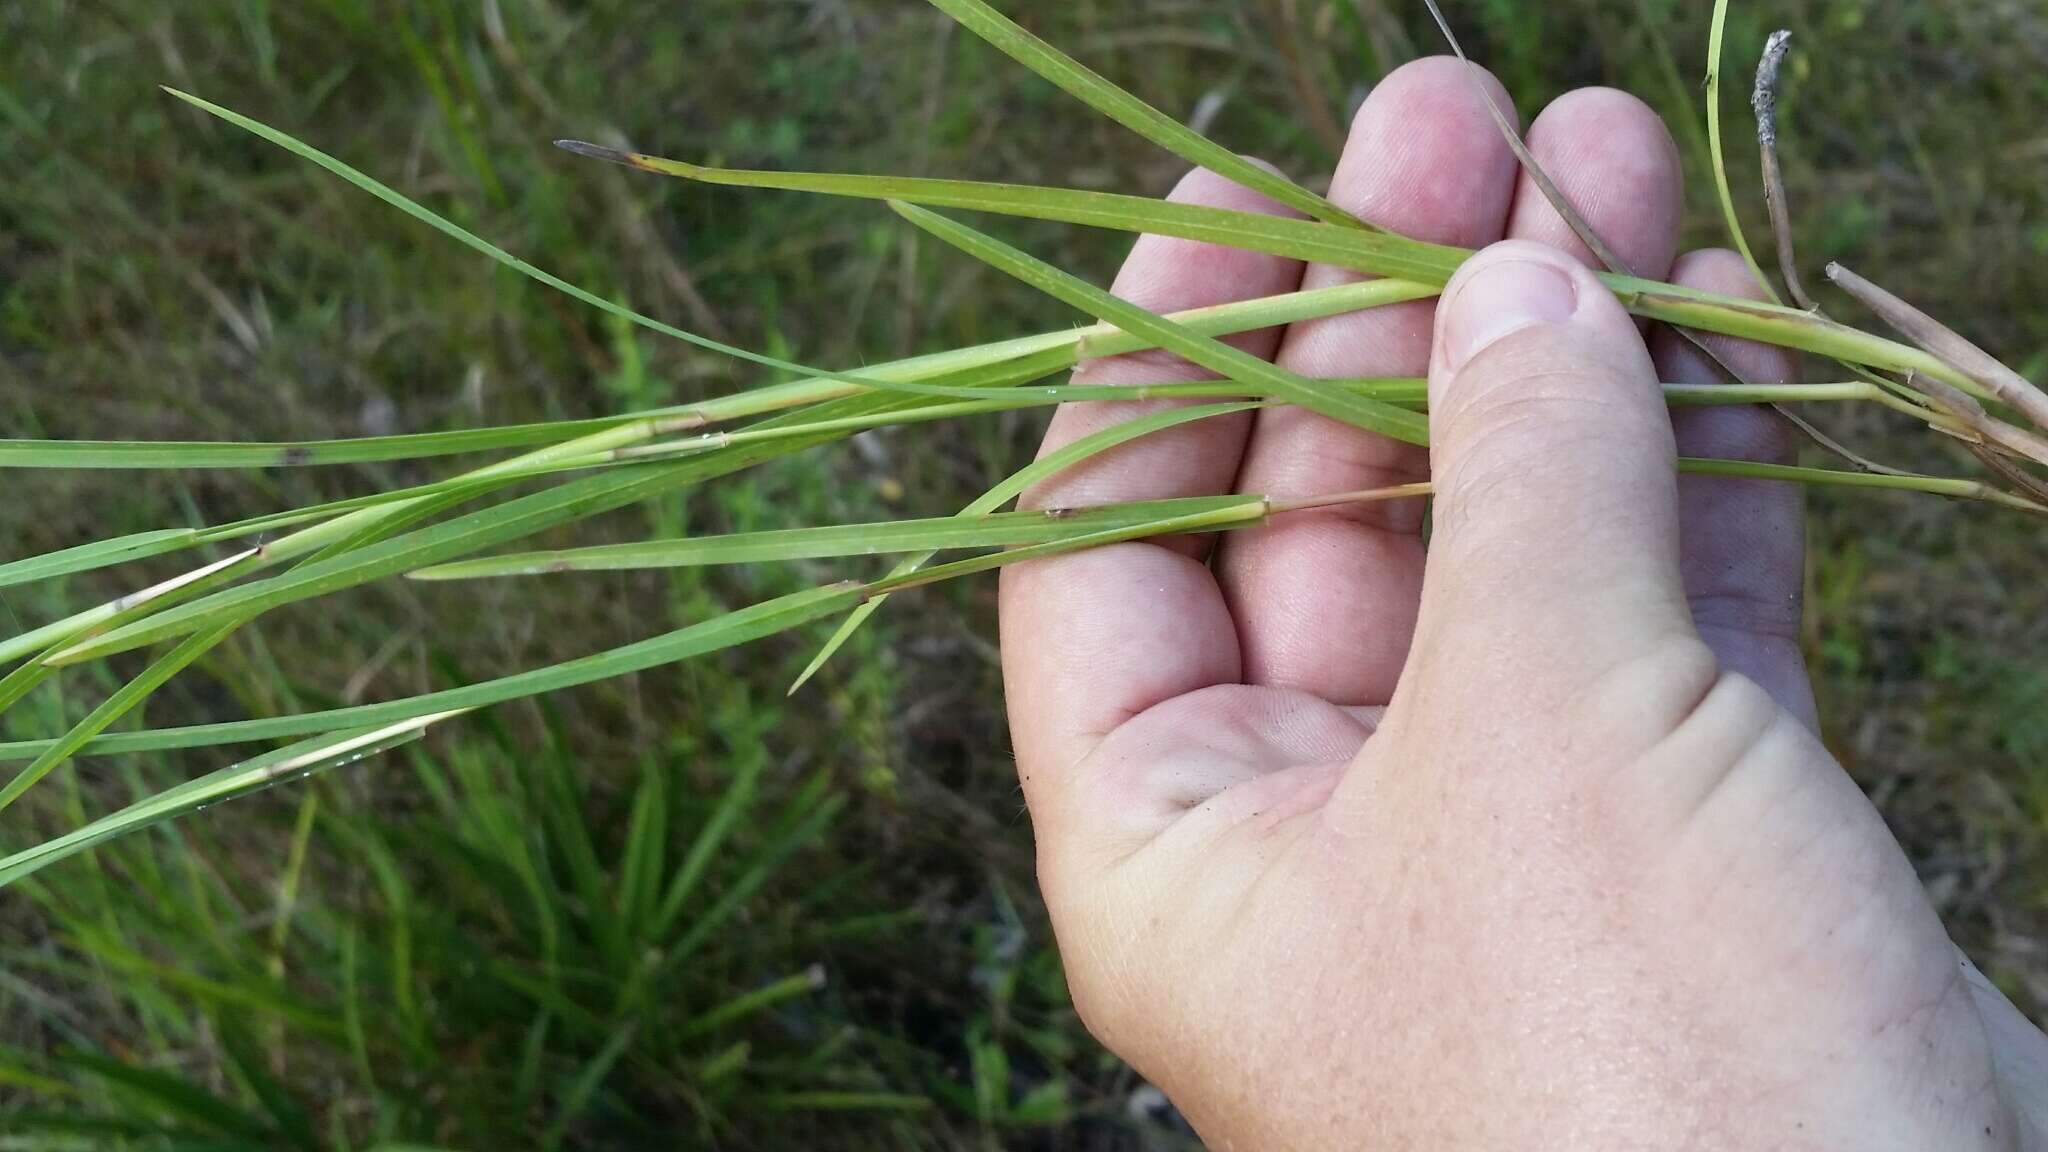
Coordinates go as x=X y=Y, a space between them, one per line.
x=1641 y=701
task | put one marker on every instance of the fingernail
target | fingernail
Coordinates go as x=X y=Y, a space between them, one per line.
x=1503 y=297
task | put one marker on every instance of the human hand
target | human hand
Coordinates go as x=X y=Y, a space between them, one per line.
x=1532 y=846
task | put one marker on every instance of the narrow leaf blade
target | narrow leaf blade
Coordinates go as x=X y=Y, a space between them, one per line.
x=1077 y=80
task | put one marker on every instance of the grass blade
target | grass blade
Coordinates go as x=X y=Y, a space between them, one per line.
x=996 y=530
x=123 y=701
x=1206 y=351
x=980 y=366
x=600 y=493
x=758 y=1000
x=148 y=454
x=173 y=1095
x=782 y=613
x=1832 y=478
x=732 y=804
x=1716 y=35
x=1005 y=362
x=830 y=1100
x=802 y=820
x=455 y=231
x=751 y=623
x=124 y=608
x=1381 y=254
x=1241 y=512
x=101 y=554
x=503 y=522
x=1009 y=489
x=1279 y=235
x=1079 y=81
x=293 y=762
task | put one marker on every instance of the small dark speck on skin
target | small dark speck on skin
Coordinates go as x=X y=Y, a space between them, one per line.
x=295 y=455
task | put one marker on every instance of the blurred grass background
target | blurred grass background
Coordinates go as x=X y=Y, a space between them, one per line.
x=682 y=910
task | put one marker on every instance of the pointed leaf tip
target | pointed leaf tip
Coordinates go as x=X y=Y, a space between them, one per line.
x=597 y=152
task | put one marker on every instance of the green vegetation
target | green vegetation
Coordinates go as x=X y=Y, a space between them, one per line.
x=676 y=906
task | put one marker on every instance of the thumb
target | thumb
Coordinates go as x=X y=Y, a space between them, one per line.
x=1554 y=552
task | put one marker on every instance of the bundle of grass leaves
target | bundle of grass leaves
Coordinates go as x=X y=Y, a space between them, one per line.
x=436 y=531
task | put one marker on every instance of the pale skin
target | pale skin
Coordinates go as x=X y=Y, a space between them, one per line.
x=1527 y=842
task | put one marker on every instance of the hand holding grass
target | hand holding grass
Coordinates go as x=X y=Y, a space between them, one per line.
x=1532 y=845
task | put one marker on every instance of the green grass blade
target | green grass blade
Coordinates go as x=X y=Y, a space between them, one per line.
x=220 y=454
x=753 y=622
x=115 y=612
x=455 y=231
x=1206 y=351
x=803 y=820
x=292 y=762
x=1240 y=512
x=584 y=1087
x=641 y=860
x=704 y=846
x=978 y=371
x=746 y=624
x=173 y=1095
x=23 y=679
x=53 y=636
x=757 y=1000
x=778 y=615
x=365 y=513
x=1378 y=254
x=498 y=524
x=1381 y=254
x=1009 y=489
x=101 y=554
x=997 y=530
x=1079 y=81
x=1717 y=33
x=1280 y=235
x=1403 y=390
x=119 y=704
x=1835 y=478
x=541 y=510
x=830 y=1100
x=413 y=511
x=313 y=539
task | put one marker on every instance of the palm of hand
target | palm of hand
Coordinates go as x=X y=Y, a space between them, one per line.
x=1538 y=849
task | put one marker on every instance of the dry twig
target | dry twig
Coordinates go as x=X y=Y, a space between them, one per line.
x=1764 y=99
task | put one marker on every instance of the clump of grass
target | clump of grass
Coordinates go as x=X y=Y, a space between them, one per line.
x=436 y=530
